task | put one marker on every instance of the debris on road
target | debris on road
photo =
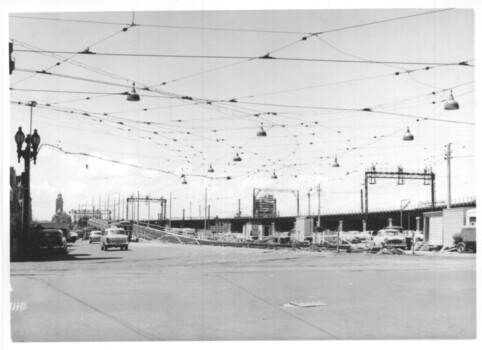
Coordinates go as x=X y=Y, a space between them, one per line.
x=305 y=304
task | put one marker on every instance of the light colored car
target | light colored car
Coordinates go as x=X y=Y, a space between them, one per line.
x=388 y=238
x=114 y=237
x=95 y=236
x=355 y=237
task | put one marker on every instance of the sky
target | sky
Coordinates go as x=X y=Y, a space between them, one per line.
x=205 y=91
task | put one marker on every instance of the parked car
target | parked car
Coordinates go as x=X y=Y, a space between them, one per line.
x=95 y=236
x=466 y=239
x=392 y=238
x=355 y=237
x=51 y=240
x=407 y=234
x=114 y=237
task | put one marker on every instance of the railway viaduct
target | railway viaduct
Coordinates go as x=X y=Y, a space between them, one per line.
x=351 y=221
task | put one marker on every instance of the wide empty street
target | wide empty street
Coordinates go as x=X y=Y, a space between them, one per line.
x=157 y=291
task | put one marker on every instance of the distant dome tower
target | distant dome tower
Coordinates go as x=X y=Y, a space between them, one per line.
x=59 y=203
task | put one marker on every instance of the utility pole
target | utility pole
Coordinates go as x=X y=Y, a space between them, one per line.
x=309 y=202
x=170 y=208
x=190 y=209
x=297 y=203
x=361 y=199
x=319 y=206
x=148 y=211
x=239 y=207
x=205 y=209
x=401 y=210
x=133 y=208
x=138 y=207
x=448 y=156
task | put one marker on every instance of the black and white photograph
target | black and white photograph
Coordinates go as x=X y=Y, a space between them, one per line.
x=188 y=171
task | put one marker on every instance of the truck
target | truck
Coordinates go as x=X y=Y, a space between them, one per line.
x=466 y=239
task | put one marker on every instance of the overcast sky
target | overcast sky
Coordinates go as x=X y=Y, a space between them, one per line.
x=310 y=105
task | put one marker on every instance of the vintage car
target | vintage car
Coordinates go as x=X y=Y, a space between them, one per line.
x=95 y=236
x=114 y=237
x=51 y=239
x=355 y=237
x=389 y=237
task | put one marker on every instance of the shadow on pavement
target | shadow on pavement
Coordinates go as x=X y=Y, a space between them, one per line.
x=66 y=257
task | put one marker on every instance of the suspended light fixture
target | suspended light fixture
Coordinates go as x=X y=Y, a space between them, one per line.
x=261 y=131
x=407 y=136
x=210 y=170
x=451 y=104
x=274 y=176
x=184 y=182
x=133 y=96
x=237 y=158
x=335 y=164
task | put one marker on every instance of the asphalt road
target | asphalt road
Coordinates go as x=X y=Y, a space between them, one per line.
x=156 y=291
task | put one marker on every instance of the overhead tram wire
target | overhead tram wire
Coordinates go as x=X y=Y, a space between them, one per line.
x=340 y=82
x=351 y=27
x=337 y=29
x=115 y=120
x=124 y=163
x=179 y=96
x=368 y=110
x=237 y=29
x=167 y=94
x=110 y=119
x=166 y=26
x=383 y=21
x=85 y=66
x=75 y=54
x=307 y=37
x=462 y=63
x=293 y=43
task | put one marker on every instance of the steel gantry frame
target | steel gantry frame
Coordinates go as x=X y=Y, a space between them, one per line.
x=428 y=177
x=148 y=200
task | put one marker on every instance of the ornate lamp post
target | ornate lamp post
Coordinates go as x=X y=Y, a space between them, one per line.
x=30 y=152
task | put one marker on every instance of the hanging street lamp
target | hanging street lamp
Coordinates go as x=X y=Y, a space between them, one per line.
x=451 y=104
x=261 y=132
x=133 y=95
x=407 y=136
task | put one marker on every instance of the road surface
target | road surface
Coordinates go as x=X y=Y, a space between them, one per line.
x=156 y=291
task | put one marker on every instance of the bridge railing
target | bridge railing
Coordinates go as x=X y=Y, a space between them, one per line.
x=98 y=223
